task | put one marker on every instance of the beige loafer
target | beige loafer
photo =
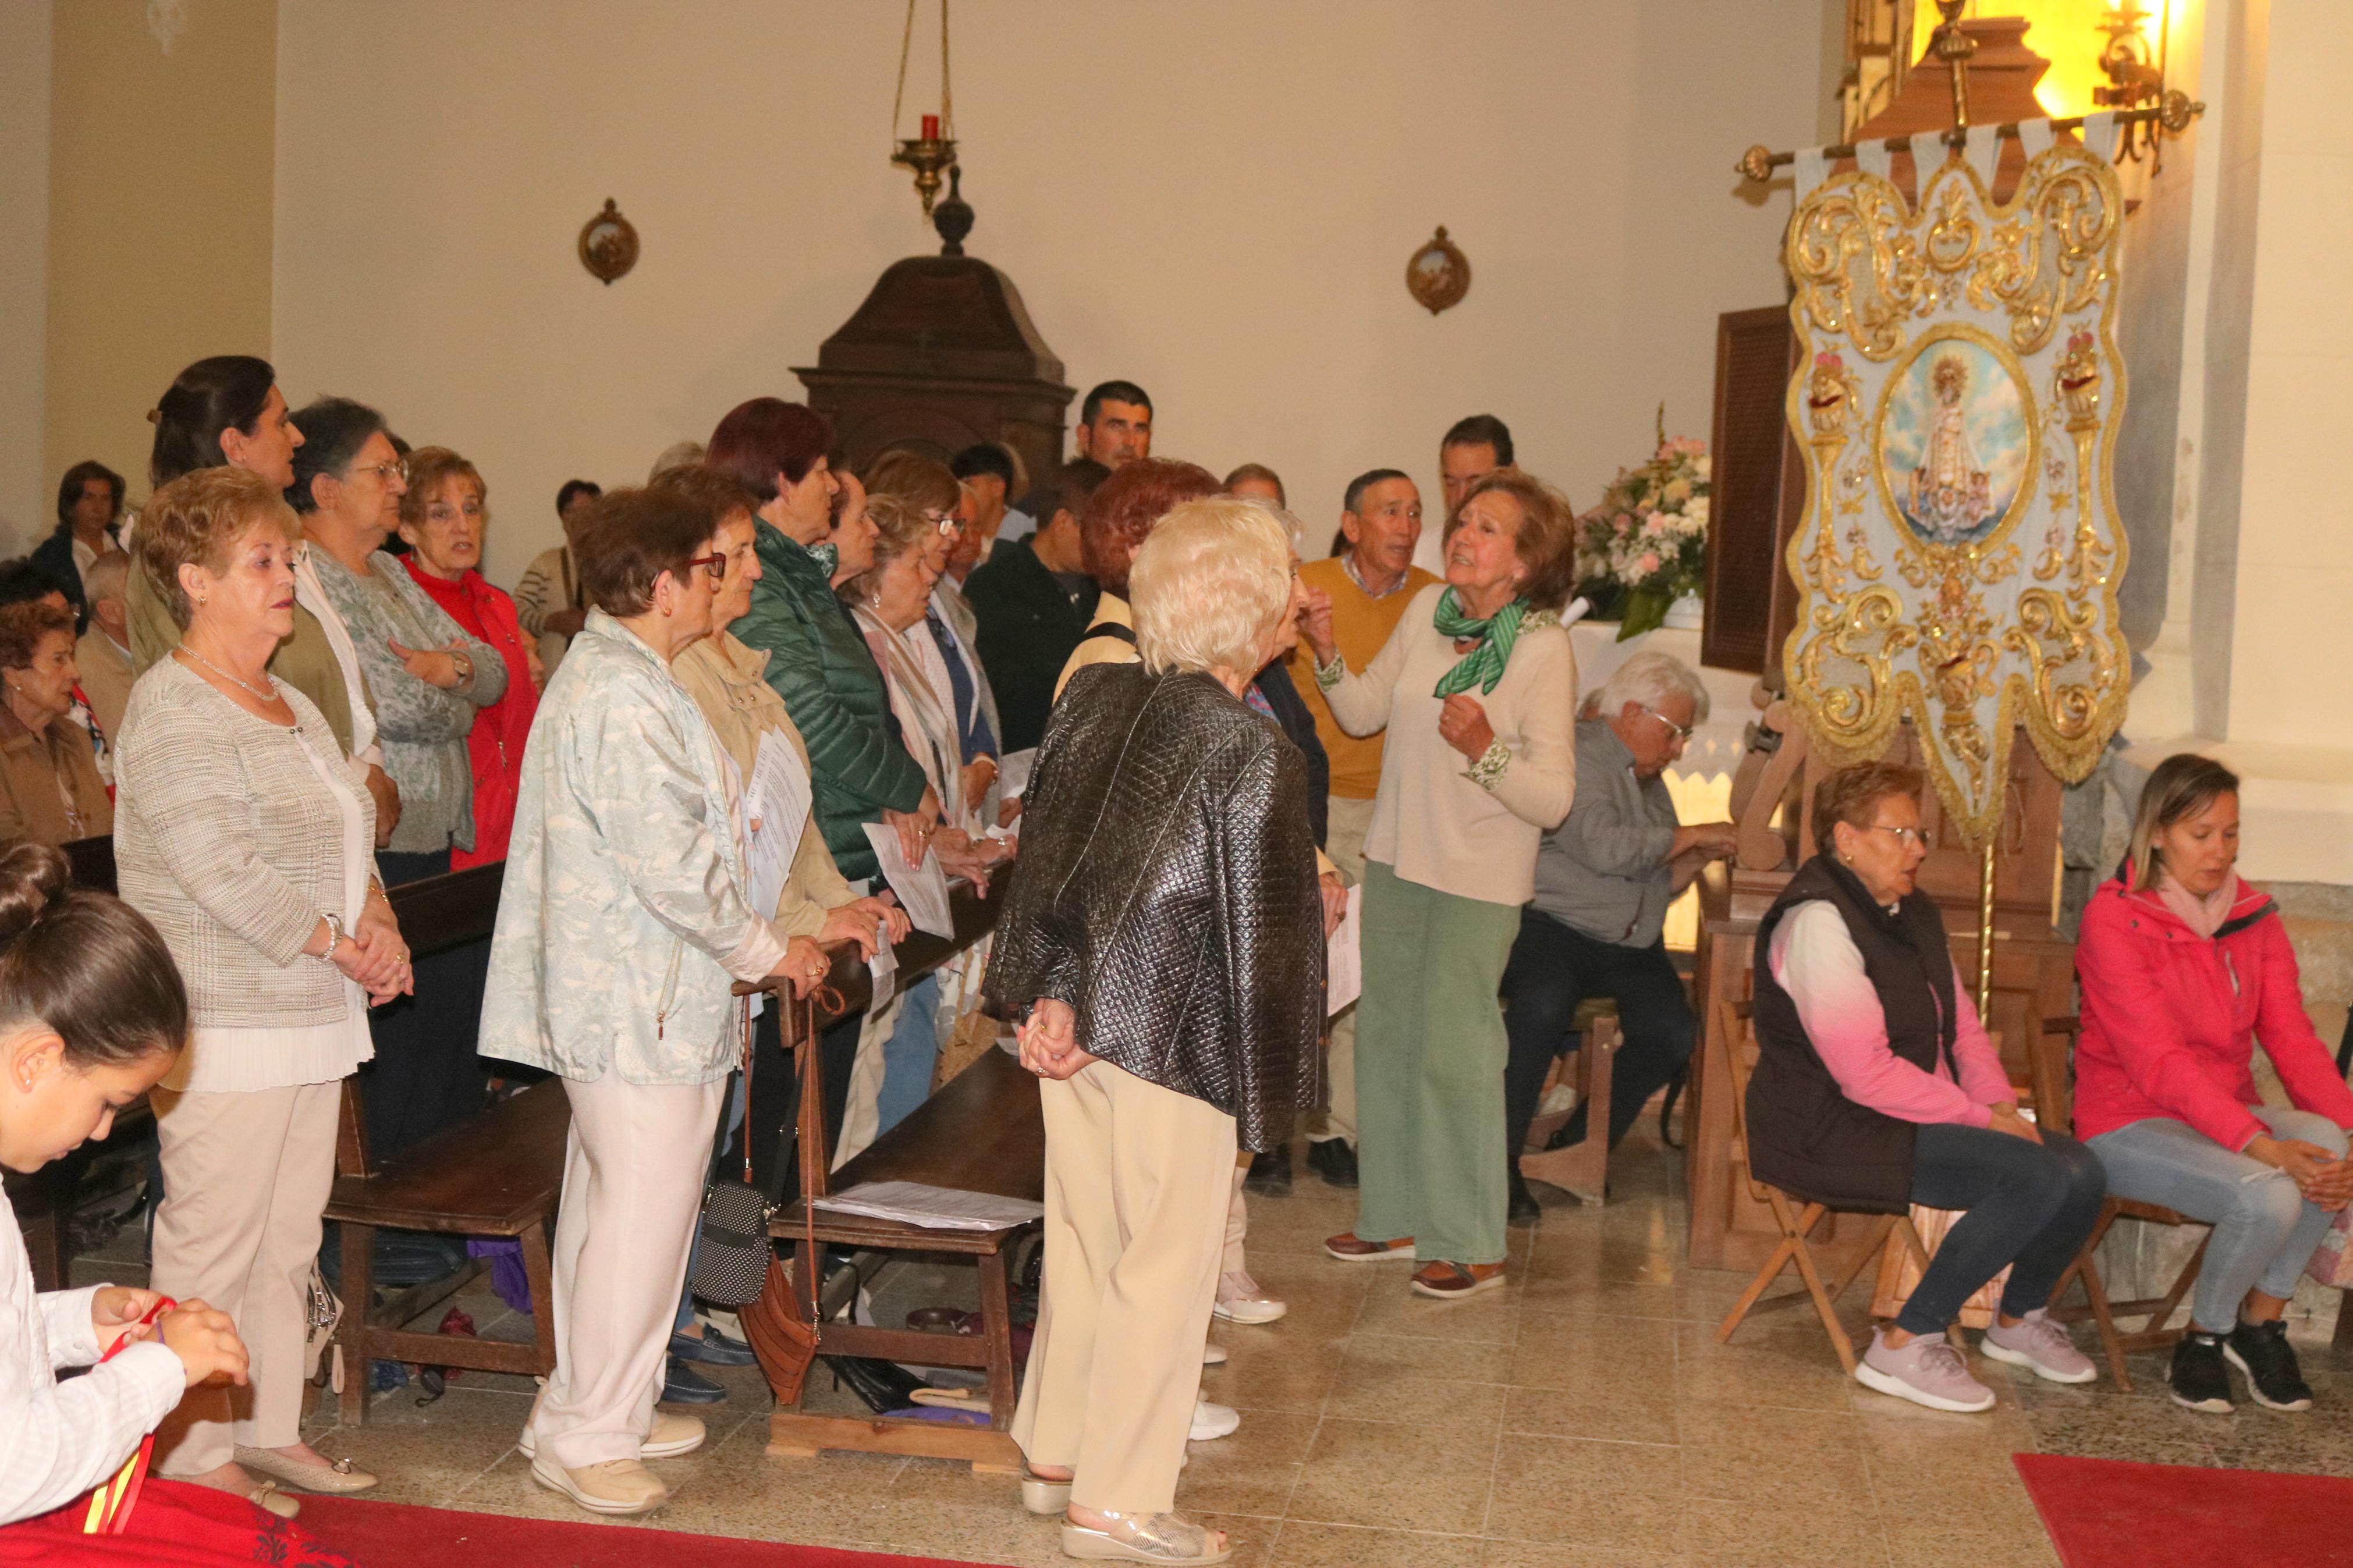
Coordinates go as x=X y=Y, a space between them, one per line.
x=339 y=1477
x=615 y=1487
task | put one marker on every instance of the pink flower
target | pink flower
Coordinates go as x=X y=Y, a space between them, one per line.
x=1648 y=564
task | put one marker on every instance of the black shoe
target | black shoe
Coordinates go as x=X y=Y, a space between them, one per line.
x=1333 y=1160
x=712 y=1349
x=2262 y=1352
x=1270 y=1174
x=1522 y=1207
x=684 y=1385
x=1571 y=1132
x=2198 y=1377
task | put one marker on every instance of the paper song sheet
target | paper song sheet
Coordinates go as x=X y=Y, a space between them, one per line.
x=923 y=890
x=1013 y=772
x=1344 y=968
x=776 y=806
x=935 y=1208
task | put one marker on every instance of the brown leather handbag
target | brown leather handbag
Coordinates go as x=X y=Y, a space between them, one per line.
x=782 y=1324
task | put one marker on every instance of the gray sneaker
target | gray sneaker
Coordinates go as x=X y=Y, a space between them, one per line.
x=2042 y=1347
x=1927 y=1372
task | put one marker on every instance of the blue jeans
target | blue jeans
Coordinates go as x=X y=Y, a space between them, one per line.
x=2264 y=1232
x=910 y=1056
x=2028 y=1207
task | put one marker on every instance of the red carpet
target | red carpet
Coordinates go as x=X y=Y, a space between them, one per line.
x=2107 y=1513
x=396 y=1535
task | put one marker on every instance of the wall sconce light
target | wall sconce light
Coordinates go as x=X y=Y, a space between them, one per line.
x=2137 y=80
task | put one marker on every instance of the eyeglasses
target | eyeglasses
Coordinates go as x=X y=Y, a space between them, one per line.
x=946 y=521
x=1906 y=836
x=398 y=466
x=1682 y=731
x=715 y=564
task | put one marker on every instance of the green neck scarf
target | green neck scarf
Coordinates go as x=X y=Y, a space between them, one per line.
x=1483 y=667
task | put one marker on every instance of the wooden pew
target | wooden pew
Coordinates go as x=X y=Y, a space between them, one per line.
x=982 y=1132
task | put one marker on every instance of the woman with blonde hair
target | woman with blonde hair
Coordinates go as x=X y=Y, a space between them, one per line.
x=1163 y=954
x=2184 y=966
x=1477 y=689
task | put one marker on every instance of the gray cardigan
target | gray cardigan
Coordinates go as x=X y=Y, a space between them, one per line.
x=227 y=840
x=1605 y=872
x=421 y=727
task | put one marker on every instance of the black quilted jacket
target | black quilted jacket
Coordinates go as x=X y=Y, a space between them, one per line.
x=1166 y=890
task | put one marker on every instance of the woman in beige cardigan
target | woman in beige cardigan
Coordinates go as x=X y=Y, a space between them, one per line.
x=49 y=789
x=245 y=835
x=1477 y=689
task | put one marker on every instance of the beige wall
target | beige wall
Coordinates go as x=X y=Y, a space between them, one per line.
x=159 y=175
x=26 y=493
x=1215 y=199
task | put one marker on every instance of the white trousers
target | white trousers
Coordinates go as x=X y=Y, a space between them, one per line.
x=245 y=1176
x=633 y=1172
x=1138 y=1187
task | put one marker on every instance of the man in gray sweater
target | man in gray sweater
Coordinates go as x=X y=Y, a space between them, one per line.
x=1604 y=879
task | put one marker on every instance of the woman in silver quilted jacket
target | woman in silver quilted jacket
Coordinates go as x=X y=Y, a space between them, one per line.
x=1161 y=948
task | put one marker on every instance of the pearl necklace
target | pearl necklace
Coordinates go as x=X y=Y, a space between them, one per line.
x=266 y=696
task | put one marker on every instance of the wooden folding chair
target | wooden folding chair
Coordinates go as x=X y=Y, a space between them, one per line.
x=2051 y=1065
x=1739 y=1037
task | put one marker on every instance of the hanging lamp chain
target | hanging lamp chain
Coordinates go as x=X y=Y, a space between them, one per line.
x=906 y=44
x=947 y=92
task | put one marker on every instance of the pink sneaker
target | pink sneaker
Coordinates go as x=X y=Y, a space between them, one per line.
x=1927 y=1372
x=2042 y=1347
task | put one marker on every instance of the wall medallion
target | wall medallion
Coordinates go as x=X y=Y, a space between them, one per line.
x=1438 y=274
x=608 y=244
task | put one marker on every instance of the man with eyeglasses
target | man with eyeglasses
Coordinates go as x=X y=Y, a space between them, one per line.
x=1604 y=879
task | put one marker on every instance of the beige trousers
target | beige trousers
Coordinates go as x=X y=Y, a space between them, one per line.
x=633 y=1171
x=861 y=1121
x=1138 y=1185
x=1237 y=1226
x=245 y=1178
x=1346 y=824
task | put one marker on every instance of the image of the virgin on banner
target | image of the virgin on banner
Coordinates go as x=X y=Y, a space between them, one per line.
x=1958 y=394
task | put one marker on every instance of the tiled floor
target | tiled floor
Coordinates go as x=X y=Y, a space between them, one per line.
x=1583 y=1416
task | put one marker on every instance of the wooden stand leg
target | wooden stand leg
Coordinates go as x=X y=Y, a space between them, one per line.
x=541 y=1278
x=352 y=1332
x=1583 y=1168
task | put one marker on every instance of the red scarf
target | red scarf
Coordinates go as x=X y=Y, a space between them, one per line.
x=494 y=745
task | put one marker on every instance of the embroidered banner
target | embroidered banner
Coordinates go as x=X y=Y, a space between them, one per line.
x=1958 y=394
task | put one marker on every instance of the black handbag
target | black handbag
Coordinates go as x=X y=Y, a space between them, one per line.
x=731 y=1265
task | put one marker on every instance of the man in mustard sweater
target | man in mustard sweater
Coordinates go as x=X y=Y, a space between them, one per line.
x=1370 y=583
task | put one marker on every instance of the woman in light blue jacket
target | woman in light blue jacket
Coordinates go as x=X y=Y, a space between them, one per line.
x=622 y=923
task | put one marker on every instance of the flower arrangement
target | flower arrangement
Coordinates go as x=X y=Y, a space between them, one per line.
x=1645 y=546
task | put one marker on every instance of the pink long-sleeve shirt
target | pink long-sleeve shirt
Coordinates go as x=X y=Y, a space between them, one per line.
x=1816 y=962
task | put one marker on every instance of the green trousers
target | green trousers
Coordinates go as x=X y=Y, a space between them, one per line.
x=1429 y=1070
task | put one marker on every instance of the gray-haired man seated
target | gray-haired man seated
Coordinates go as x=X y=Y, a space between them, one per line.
x=1604 y=879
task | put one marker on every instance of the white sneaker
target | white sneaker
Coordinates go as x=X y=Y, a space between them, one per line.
x=616 y=1487
x=1240 y=1300
x=672 y=1435
x=1213 y=1421
x=1213 y=1356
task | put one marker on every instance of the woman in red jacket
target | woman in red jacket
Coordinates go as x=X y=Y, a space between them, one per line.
x=2183 y=967
x=442 y=518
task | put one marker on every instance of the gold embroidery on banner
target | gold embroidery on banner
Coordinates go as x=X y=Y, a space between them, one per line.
x=1971 y=629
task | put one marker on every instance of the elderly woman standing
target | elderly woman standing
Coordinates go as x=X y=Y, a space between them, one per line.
x=1876 y=1088
x=931 y=488
x=50 y=792
x=1163 y=950
x=623 y=920
x=818 y=664
x=442 y=516
x=427 y=676
x=1477 y=687
x=245 y=834
x=2184 y=966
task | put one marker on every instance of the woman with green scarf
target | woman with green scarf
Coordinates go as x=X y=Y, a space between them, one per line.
x=1477 y=689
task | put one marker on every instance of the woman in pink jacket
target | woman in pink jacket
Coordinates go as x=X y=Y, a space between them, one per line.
x=2183 y=967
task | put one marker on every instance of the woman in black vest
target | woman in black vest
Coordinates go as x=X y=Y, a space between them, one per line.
x=1876 y=1088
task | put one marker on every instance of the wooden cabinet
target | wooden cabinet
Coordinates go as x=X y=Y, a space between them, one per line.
x=1756 y=493
x=941 y=355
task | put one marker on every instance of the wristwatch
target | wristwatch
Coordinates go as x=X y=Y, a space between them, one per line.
x=464 y=666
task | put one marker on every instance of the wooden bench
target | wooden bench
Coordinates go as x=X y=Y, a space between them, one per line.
x=982 y=1132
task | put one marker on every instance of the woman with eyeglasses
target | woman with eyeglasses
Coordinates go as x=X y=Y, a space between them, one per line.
x=1876 y=1088
x=442 y=518
x=428 y=679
